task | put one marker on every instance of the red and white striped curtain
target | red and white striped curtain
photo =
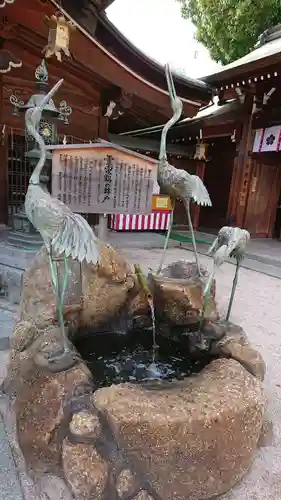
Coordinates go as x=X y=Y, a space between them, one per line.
x=158 y=221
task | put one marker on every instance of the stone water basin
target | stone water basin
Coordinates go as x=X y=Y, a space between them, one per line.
x=186 y=430
x=189 y=430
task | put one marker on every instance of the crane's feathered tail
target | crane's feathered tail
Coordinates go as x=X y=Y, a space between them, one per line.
x=76 y=239
x=199 y=193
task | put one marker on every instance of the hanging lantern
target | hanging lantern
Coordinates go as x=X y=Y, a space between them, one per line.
x=201 y=151
x=59 y=36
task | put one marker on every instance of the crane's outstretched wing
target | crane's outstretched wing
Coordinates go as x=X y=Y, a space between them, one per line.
x=76 y=239
x=61 y=229
x=199 y=192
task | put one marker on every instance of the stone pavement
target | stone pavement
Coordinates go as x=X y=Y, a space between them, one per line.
x=10 y=486
x=263 y=255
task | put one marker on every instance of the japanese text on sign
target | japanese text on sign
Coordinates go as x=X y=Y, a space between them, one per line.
x=95 y=182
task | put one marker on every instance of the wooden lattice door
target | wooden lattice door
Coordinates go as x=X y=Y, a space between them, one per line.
x=19 y=172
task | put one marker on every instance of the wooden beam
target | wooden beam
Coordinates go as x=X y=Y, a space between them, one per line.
x=150 y=145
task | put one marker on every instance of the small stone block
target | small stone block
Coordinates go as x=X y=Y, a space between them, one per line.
x=56 y=362
x=85 y=424
x=125 y=484
x=143 y=495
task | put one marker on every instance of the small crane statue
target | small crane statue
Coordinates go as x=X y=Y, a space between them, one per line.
x=230 y=242
x=63 y=232
x=175 y=182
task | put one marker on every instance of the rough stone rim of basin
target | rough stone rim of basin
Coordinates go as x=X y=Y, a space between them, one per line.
x=137 y=414
x=180 y=281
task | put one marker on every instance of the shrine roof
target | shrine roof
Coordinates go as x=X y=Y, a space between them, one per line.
x=98 y=26
x=267 y=53
x=205 y=114
x=102 y=4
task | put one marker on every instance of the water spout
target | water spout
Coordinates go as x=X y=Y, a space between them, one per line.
x=149 y=297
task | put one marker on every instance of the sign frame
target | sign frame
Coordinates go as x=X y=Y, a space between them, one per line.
x=103 y=178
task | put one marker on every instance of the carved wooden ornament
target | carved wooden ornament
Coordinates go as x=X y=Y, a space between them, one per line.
x=59 y=36
x=8 y=61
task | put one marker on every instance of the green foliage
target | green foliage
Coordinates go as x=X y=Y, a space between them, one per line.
x=230 y=28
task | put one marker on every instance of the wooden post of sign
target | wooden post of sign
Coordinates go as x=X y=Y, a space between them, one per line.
x=103 y=134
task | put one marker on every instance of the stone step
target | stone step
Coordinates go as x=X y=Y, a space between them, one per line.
x=24 y=240
x=7 y=318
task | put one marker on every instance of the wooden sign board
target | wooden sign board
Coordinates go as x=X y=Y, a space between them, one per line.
x=103 y=178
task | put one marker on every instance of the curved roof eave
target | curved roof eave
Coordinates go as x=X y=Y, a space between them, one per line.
x=193 y=102
x=194 y=83
x=205 y=113
x=261 y=57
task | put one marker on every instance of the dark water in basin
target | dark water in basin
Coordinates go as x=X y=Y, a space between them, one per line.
x=114 y=358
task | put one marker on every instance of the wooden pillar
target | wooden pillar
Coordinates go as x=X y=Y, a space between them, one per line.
x=242 y=169
x=103 y=134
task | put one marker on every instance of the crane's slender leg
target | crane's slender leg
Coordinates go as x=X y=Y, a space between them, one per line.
x=167 y=240
x=59 y=299
x=234 y=284
x=206 y=295
x=187 y=206
x=65 y=341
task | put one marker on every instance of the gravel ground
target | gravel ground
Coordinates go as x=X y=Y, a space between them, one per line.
x=257 y=308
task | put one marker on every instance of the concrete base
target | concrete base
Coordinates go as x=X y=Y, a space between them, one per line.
x=13 y=262
x=10 y=488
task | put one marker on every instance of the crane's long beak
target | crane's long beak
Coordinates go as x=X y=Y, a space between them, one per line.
x=50 y=94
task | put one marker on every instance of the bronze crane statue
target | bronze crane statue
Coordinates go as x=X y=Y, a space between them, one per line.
x=63 y=232
x=176 y=182
x=230 y=242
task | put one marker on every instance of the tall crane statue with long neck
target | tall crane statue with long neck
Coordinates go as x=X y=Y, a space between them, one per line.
x=63 y=232
x=176 y=182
